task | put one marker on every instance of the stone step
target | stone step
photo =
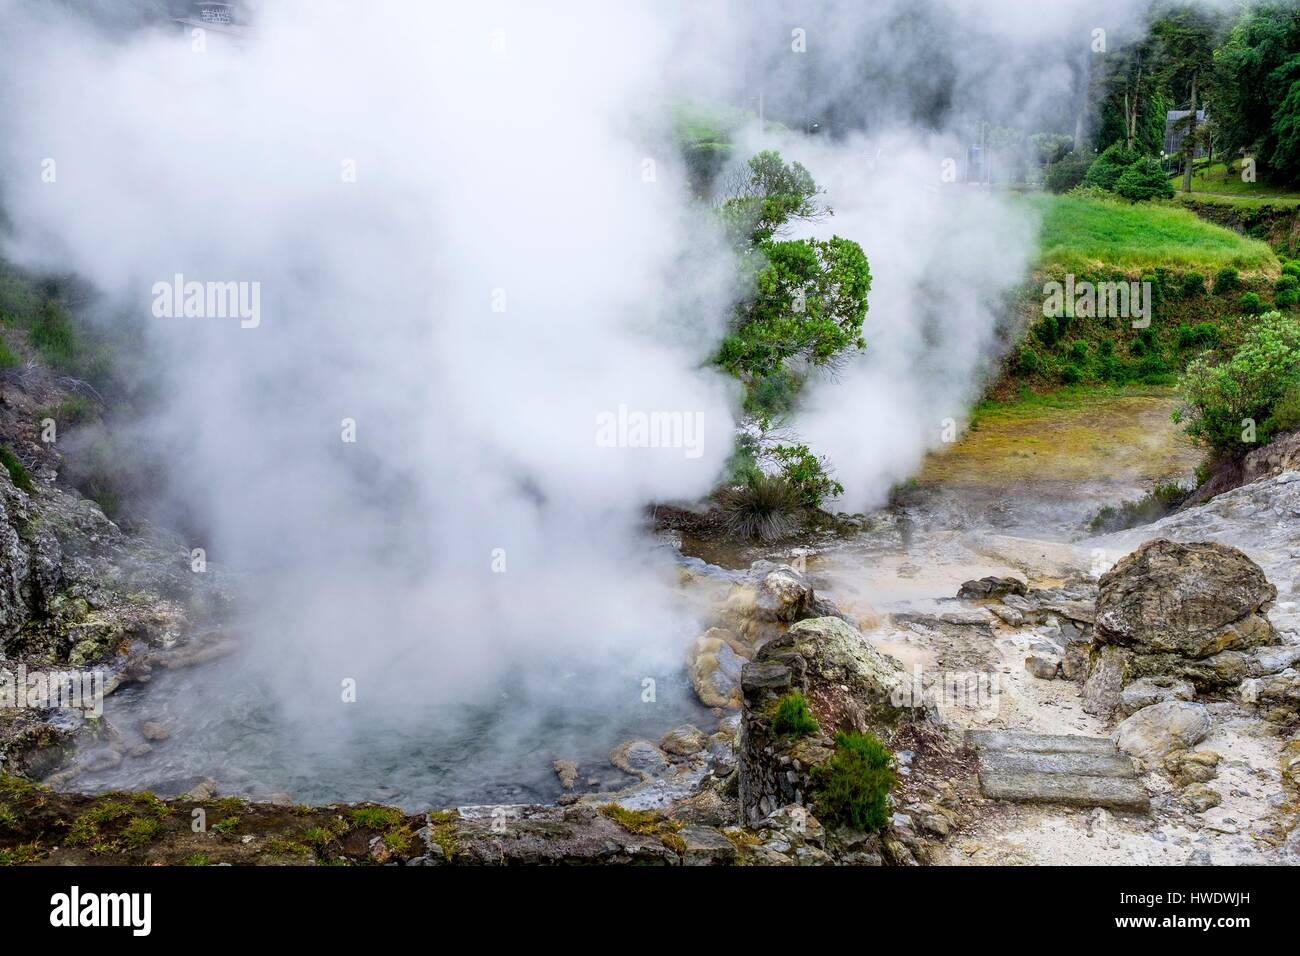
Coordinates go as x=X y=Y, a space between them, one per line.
x=1066 y=788
x=1084 y=764
x=1027 y=741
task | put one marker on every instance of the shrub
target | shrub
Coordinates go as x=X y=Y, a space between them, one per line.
x=1106 y=169
x=1251 y=304
x=1157 y=503
x=1027 y=362
x=854 y=784
x=1079 y=351
x=1193 y=285
x=793 y=718
x=1285 y=416
x=766 y=506
x=1226 y=280
x=16 y=470
x=1218 y=398
x=1203 y=335
x=1048 y=331
x=1071 y=374
x=53 y=335
x=808 y=473
x=1291 y=268
x=1066 y=173
x=1286 y=291
x=1143 y=180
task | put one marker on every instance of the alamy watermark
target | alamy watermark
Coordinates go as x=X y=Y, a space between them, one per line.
x=41 y=690
x=1102 y=300
x=635 y=429
x=208 y=300
x=979 y=691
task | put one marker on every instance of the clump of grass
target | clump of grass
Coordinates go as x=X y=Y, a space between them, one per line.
x=645 y=823
x=22 y=855
x=225 y=825
x=85 y=830
x=141 y=830
x=1154 y=505
x=767 y=507
x=7 y=819
x=376 y=818
x=854 y=784
x=793 y=718
x=442 y=830
x=197 y=859
x=17 y=472
x=7 y=357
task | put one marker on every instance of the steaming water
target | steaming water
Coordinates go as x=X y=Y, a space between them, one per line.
x=224 y=724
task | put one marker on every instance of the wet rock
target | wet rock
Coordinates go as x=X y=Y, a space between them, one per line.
x=714 y=663
x=205 y=789
x=566 y=771
x=991 y=587
x=784 y=595
x=154 y=730
x=640 y=758
x=1155 y=732
x=1153 y=690
x=684 y=741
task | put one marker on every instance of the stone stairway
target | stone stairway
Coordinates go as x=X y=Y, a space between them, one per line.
x=1025 y=767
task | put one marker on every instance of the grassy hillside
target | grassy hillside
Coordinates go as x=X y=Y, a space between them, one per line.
x=1083 y=234
x=1221 y=179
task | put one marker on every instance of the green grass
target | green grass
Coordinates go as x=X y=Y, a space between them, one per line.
x=1079 y=234
x=16 y=470
x=1219 y=179
x=793 y=718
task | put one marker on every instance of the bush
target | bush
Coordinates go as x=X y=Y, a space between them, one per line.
x=1066 y=173
x=808 y=473
x=1107 y=168
x=1071 y=374
x=766 y=506
x=1285 y=416
x=1027 y=362
x=1157 y=503
x=1193 y=285
x=1143 y=180
x=1203 y=335
x=1218 y=398
x=1251 y=304
x=853 y=786
x=1079 y=351
x=793 y=718
x=1292 y=268
x=16 y=470
x=1286 y=291
x=1226 y=280
x=1049 y=330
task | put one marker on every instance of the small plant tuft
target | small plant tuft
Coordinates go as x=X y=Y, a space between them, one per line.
x=854 y=785
x=793 y=718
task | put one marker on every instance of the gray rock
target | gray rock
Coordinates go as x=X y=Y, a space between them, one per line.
x=1153 y=690
x=1155 y=732
x=1043 y=665
x=641 y=758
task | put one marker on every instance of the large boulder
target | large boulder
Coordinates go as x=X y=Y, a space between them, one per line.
x=713 y=662
x=1172 y=612
x=1155 y=732
x=1193 y=600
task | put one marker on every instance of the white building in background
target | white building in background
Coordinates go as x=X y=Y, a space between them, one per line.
x=218 y=17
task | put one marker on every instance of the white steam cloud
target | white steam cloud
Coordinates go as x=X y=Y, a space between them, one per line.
x=499 y=156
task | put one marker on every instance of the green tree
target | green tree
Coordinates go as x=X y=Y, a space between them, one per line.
x=1145 y=179
x=1187 y=37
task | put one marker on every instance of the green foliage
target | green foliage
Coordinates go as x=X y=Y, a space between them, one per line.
x=1048 y=330
x=7 y=357
x=1027 y=361
x=1203 y=335
x=1143 y=180
x=1291 y=268
x=376 y=818
x=1251 y=303
x=1079 y=351
x=1286 y=291
x=808 y=473
x=793 y=718
x=854 y=784
x=766 y=506
x=1157 y=503
x=1219 y=399
x=1067 y=172
x=1071 y=374
x=809 y=301
x=768 y=195
x=1193 y=285
x=16 y=470
x=1226 y=280
x=1107 y=168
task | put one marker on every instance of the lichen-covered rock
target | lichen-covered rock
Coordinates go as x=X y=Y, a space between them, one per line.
x=1155 y=732
x=1192 y=600
x=684 y=741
